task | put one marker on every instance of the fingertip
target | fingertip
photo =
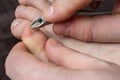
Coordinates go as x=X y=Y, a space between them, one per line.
x=52 y=46
x=48 y=14
x=54 y=14
x=19 y=11
x=48 y=43
x=55 y=50
x=62 y=10
x=17 y=28
x=51 y=43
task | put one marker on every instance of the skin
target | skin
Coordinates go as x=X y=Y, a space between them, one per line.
x=108 y=52
x=53 y=8
x=62 y=60
x=100 y=32
x=96 y=29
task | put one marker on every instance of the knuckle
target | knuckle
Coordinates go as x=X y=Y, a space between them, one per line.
x=88 y=34
x=92 y=31
x=83 y=33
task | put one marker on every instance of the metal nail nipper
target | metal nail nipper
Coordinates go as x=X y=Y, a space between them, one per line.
x=39 y=22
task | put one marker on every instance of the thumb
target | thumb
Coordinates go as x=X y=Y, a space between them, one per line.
x=66 y=57
x=62 y=9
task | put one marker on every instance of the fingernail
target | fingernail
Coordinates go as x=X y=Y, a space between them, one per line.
x=55 y=43
x=20 y=9
x=49 y=12
x=16 y=23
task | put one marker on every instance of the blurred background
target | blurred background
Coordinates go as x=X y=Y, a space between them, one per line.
x=7 y=41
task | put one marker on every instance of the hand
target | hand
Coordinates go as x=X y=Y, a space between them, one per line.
x=56 y=10
x=100 y=50
x=62 y=61
x=21 y=62
x=67 y=63
x=21 y=65
x=93 y=29
x=108 y=52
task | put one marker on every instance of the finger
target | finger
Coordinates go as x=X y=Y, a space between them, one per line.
x=27 y=12
x=96 y=29
x=21 y=65
x=39 y=4
x=63 y=9
x=17 y=27
x=69 y=58
x=35 y=40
